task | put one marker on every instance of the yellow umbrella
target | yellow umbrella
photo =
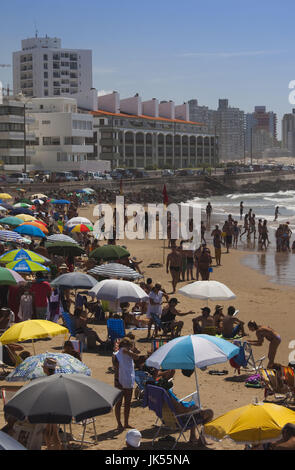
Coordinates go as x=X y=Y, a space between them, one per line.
x=258 y=422
x=32 y=329
x=26 y=217
x=5 y=196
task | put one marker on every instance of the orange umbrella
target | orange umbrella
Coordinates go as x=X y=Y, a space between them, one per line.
x=36 y=224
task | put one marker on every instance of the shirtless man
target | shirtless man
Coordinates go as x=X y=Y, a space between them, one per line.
x=169 y=317
x=174 y=263
x=204 y=320
x=231 y=326
x=262 y=333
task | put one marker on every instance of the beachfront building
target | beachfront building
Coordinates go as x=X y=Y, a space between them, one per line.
x=288 y=132
x=16 y=142
x=227 y=123
x=150 y=134
x=44 y=69
x=62 y=135
x=261 y=131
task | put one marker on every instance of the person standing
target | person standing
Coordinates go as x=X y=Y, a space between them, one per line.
x=204 y=261
x=208 y=212
x=174 y=264
x=276 y=213
x=241 y=210
x=155 y=307
x=217 y=241
x=124 y=379
x=41 y=291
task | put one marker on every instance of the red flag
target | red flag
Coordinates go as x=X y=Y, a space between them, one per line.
x=165 y=196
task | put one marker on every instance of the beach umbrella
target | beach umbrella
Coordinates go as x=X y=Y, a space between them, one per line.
x=25 y=201
x=115 y=270
x=32 y=329
x=81 y=228
x=77 y=221
x=6 y=206
x=32 y=367
x=109 y=252
x=61 y=202
x=61 y=238
x=8 y=443
x=5 y=196
x=38 y=201
x=75 y=280
x=9 y=277
x=7 y=236
x=35 y=223
x=39 y=196
x=64 y=248
x=89 y=190
x=16 y=255
x=22 y=205
x=30 y=230
x=26 y=217
x=190 y=352
x=61 y=397
x=3 y=209
x=117 y=290
x=251 y=424
x=13 y=221
x=207 y=290
x=26 y=266
x=22 y=211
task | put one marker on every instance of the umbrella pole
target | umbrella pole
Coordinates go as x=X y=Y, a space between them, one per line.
x=33 y=347
x=197 y=388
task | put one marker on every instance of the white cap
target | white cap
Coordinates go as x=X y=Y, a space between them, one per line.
x=133 y=438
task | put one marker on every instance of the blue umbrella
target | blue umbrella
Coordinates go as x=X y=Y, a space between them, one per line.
x=30 y=230
x=26 y=266
x=22 y=211
x=60 y=202
x=189 y=352
x=32 y=367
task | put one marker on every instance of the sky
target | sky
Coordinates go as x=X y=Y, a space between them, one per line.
x=167 y=49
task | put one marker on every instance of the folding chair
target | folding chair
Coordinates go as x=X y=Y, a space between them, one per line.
x=158 y=343
x=280 y=383
x=158 y=400
x=69 y=323
x=141 y=377
x=245 y=358
x=116 y=329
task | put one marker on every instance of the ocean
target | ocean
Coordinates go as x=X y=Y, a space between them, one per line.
x=280 y=267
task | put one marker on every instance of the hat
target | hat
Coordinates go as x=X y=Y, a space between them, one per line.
x=50 y=363
x=206 y=309
x=133 y=438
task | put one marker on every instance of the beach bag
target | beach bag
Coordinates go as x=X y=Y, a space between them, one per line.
x=254 y=381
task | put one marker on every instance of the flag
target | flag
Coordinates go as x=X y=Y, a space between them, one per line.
x=121 y=187
x=165 y=196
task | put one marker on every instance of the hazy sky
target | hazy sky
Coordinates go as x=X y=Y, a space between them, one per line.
x=167 y=49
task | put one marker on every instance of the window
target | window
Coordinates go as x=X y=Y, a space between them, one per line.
x=45 y=66
x=45 y=74
x=45 y=57
x=45 y=84
x=51 y=140
x=46 y=122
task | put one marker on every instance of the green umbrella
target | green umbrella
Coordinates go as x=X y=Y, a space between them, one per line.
x=64 y=249
x=109 y=252
x=9 y=278
x=13 y=221
x=25 y=201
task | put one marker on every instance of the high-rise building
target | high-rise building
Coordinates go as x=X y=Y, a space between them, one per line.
x=230 y=129
x=44 y=69
x=261 y=131
x=288 y=131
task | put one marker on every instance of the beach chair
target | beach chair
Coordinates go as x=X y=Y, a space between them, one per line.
x=158 y=343
x=116 y=329
x=280 y=383
x=157 y=399
x=245 y=358
x=141 y=377
x=160 y=326
x=69 y=323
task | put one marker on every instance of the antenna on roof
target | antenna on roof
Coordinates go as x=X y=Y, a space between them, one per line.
x=36 y=30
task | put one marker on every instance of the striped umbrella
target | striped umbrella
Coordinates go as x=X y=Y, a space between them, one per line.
x=16 y=255
x=61 y=238
x=9 y=277
x=115 y=271
x=26 y=266
x=7 y=236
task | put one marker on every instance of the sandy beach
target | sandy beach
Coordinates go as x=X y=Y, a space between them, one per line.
x=257 y=299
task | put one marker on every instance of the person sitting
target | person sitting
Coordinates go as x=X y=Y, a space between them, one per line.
x=128 y=318
x=80 y=322
x=168 y=318
x=69 y=349
x=203 y=321
x=232 y=326
x=218 y=317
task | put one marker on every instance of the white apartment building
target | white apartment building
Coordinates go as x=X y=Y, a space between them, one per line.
x=44 y=69
x=15 y=143
x=62 y=134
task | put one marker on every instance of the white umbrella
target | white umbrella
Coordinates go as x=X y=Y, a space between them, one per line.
x=207 y=290
x=3 y=209
x=39 y=196
x=8 y=443
x=61 y=238
x=123 y=291
x=77 y=221
x=115 y=270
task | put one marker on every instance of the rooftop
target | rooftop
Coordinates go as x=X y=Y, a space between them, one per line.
x=100 y=112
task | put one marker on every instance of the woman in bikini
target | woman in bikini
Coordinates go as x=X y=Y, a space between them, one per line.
x=265 y=332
